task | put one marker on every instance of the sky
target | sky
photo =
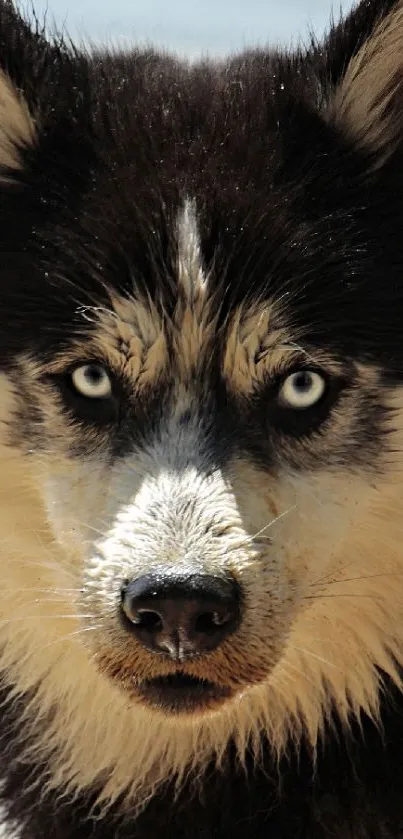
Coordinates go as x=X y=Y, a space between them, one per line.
x=191 y=27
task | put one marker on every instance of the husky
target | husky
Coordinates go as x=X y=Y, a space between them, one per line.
x=201 y=437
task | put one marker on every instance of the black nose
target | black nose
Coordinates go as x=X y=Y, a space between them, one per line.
x=181 y=617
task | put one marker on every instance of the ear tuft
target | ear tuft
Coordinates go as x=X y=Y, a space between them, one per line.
x=17 y=127
x=367 y=103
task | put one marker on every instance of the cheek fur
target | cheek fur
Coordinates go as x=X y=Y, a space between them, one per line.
x=75 y=494
x=318 y=557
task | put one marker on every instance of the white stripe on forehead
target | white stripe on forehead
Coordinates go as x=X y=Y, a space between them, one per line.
x=191 y=277
x=133 y=334
x=193 y=323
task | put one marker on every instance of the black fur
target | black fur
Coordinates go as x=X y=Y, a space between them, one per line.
x=284 y=201
x=286 y=204
x=352 y=790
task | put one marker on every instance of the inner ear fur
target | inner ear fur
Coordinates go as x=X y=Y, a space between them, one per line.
x=367 y=103
x=17 y=126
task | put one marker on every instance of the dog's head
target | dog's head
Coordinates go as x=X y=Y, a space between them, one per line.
x=201 y=413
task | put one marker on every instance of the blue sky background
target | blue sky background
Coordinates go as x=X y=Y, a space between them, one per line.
x=192 y=27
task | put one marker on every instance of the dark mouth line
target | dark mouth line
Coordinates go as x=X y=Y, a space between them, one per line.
x=179 y=692
x=183 y=681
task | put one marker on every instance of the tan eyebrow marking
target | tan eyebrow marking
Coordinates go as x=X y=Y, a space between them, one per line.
x=259 y=344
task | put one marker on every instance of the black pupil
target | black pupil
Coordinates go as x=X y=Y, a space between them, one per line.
x=94 y=375
x=303 y=382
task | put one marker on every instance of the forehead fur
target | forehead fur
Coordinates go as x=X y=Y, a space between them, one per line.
x=138 y=335
x=131 y=336
x=234 y=181
x=262 y=341
x=255 y=341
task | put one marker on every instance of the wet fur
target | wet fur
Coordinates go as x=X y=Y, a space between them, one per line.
x=203 y=230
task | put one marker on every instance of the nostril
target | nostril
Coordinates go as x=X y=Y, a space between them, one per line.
x=146 y=619
x=209 y=622
x=140 y=616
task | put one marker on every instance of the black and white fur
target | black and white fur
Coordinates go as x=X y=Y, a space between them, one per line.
x=202 y=233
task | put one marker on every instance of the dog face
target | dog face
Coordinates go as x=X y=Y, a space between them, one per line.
x=201 y=410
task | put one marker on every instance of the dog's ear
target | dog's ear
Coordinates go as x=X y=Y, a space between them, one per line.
x=37 y=87
x=20 y=51
x=363 y=78
x=17 y=125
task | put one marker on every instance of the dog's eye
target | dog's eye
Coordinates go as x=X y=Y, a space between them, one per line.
x=91 y=393
x=302 y=390
x=92 y=380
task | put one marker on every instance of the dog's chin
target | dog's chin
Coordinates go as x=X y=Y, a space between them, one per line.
x=181 y=694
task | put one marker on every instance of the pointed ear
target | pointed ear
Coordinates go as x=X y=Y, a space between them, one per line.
x=366 y=100
x=17 y=124
x=22 y=47
x=33 y=71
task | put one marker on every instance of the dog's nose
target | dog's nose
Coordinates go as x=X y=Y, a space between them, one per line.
x=181 y=617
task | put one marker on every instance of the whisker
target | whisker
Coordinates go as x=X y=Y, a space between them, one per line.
x=44 y=564
x=327 y=578
x=274 y=521
x=72 y=635
x=280 y=689
x=334 y=596
x=91 y=527
x=40 y=617
x=259 y=534
x=32 y=589
x=284 y=665
x=40 y=601
x=313 y=655
x=291 y=345
x=367 y=577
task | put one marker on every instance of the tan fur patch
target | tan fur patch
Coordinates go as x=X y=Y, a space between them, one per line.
x=348 y=570
x=252 y=336
x=259 y=346
x=367 y=104
x=17 y=126
x=130 y=337
x=135 y=340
